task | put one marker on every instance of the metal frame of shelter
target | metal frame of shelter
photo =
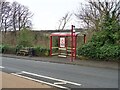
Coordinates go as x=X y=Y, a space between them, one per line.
x=63 y=43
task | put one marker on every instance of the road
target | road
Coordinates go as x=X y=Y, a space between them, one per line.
x=63 y=75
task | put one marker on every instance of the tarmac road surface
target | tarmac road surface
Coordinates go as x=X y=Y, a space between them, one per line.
x=61 y=75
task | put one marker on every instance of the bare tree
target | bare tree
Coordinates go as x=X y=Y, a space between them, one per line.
x=5 y=16
x=1 y=15
x=1 y=12
x=92 y=13
x=64 y=21
x=24 y=16
x=14 y=16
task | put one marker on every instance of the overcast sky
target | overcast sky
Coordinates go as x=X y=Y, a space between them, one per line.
x=47 y=13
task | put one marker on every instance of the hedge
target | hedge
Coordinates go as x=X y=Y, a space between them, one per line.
x=105 y=52
x=37 y=51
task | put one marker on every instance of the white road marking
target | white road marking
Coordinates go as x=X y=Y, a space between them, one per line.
x=17 y=73
x=59 y=83
x=41 y=81
x=77 y=84
x=2 y=67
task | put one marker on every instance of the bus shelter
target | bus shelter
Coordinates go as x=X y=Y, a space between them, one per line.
x=63 y=48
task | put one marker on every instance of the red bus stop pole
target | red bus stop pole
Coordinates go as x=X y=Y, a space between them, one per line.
x=72 y=27
x=75 y=45
x=84 y=38
x=50 y=45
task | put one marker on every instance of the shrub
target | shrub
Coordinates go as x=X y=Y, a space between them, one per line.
x=110 y=52
x=25 y=38
x=11 y=50
x=105 y=43
x=18 y=47
x=1 y=48
x=6 y=49
x=39 y=51
x=106 y=52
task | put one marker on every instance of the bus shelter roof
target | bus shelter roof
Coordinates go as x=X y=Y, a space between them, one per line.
x=64 y=34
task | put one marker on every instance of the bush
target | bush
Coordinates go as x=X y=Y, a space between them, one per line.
x=18 y=47
x=39 y=51
x=25 y=38
x=6 y=49
x=36 y=51
x=11 y=50
x=105 y=43
x=106 y=52
x=1 y=48
x=110 y=52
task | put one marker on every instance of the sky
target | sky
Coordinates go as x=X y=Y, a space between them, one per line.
x=47 y=13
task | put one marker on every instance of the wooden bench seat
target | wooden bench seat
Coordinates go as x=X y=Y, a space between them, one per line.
x=23 y=52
